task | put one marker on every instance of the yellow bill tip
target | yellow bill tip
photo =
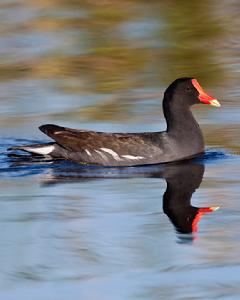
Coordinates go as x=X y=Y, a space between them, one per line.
x=214 y=103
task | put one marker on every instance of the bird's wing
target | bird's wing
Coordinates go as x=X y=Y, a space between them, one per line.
x=105 y=148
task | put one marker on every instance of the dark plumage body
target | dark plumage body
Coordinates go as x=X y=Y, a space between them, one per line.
x=182 y=139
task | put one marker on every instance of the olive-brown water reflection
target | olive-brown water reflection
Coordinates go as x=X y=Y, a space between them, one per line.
x=95 y=62
x=104 y=65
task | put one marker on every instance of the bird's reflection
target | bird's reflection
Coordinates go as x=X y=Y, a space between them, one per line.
x=182 y=180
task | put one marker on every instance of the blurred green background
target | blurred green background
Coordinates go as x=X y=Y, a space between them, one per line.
x=105 y=64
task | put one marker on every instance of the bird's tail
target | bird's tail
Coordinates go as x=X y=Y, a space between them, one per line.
x=37 y=149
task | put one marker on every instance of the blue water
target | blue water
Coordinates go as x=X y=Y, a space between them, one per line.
x=94 y=232
x=153 y=232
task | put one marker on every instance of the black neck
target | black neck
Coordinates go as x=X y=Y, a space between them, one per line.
x=179 y=117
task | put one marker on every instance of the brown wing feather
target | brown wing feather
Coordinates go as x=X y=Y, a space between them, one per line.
x=109 y=149
x=70 y=139
x=77 y=140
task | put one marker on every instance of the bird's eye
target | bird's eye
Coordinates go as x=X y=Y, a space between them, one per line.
x=188 y=89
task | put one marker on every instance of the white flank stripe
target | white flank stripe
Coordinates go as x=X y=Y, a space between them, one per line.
x=132 y=157
x=102 y=154
x=111 y=152
x=88 y=152
x=45 y=150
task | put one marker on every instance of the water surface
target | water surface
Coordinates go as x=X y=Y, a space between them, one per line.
x=69 y=231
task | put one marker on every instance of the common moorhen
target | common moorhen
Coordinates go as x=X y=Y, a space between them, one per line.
x=182 y=139
x=183 y=179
